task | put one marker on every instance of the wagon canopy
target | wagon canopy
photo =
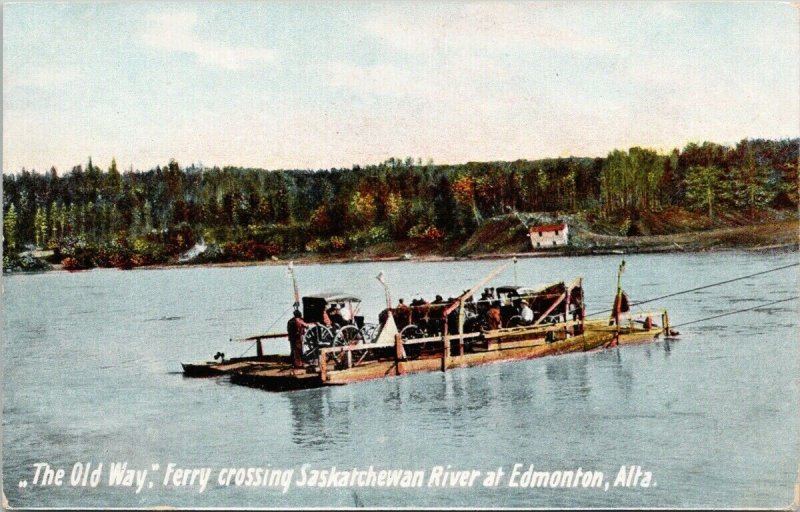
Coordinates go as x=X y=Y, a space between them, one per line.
x=333 y=297
x=314 y=305
x=525 y=291
x=507 y=289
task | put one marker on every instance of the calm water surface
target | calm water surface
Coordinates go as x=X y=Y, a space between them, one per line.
x=92 y=374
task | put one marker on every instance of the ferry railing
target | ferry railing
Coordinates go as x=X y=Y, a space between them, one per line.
x=346 y=357
x=343 y=355
x=636 y=320
x=351 y=356
x=258 y=339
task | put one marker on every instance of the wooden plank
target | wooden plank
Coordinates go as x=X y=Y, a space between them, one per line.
x=517 y=344
x=268 y=336
x=380 y=369
x=550 y=309
x=445 y=350
x=517 y=331
x=323 y=366
x=415 y=341
x=469 y=293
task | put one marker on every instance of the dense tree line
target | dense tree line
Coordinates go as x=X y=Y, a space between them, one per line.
x=93 y=216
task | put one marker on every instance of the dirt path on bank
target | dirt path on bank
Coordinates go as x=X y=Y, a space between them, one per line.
x=767 y=235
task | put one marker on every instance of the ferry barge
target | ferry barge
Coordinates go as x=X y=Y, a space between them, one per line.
x=437 y=336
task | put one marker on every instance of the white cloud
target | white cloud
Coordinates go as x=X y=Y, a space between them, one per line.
x=176 y=32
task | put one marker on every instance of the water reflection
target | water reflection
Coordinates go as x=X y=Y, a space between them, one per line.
x=623 y=377
x=569 y=376
x=393 y=397
x=319 y=417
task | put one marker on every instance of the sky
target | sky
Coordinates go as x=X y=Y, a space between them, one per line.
x=332 y=84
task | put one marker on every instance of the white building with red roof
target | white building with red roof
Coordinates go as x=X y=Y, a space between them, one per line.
x=548 y=235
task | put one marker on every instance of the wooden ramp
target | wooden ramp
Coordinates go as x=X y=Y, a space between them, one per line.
x=239 y=364
x=277 y=378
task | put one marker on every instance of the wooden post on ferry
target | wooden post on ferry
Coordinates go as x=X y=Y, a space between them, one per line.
x=399 y=354
x=323 y=366
x=461 y=328
x=259 y=348
x=445 y=346
x=566 y=312
x=618 y=303
x=582 y=312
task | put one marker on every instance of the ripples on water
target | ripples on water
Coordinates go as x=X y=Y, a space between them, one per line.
x=92 y=374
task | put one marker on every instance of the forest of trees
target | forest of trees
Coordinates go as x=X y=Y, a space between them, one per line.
x=91 y=216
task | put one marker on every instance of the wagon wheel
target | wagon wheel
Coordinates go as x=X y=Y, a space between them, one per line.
x=412 y=332
x=367 y=335
x=370 y=333
x=316 y=337
x=348 y=335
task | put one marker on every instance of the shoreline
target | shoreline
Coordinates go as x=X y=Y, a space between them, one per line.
x=780 y=236
x=437 y=258
x=771 y=236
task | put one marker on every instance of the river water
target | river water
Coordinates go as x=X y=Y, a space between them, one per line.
x=92 y=375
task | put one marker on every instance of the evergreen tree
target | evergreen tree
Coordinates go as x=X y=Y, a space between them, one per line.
x=40 y=227
x=704 y=187
x=750 y=185
x=10 y=230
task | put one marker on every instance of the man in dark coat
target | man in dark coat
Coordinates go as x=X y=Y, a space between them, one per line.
x=296 y=328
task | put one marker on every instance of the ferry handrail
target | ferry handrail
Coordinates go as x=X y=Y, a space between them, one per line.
x=370 y=346
x=258 y=337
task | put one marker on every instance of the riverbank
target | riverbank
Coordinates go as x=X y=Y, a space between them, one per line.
x=771 y=236
x=497 y=244
x=782 y=235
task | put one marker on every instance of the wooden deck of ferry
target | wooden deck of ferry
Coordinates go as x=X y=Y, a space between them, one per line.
x=217 y=368
x=355 y=363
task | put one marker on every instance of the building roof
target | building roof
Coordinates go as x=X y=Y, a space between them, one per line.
x=548 y=227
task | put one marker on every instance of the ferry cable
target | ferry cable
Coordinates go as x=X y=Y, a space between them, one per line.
x=638 y=303
x=738 y=311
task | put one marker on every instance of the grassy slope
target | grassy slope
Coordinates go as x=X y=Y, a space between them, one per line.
x=672 y=229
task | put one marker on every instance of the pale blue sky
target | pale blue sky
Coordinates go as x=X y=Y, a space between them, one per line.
x=319 y=85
